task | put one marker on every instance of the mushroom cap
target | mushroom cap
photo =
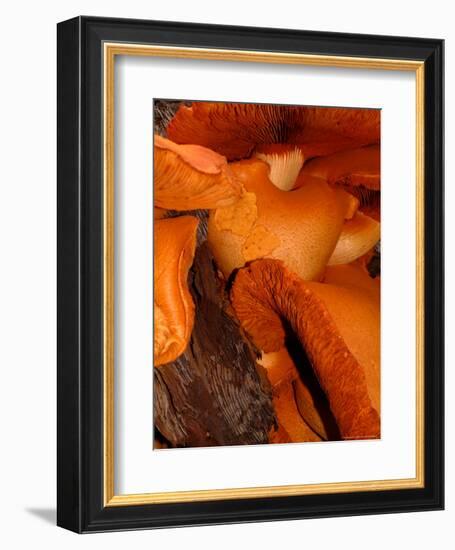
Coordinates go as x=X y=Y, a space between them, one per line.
x=159 y=213
x=174 y=247
x=361 y=166
x=357 y=171
x=235 y=129
x=358 y=236
x=353 y=275
x=299 y=227
x=188 y=177
x=352 y=299
x=325 y=130
x=231 y=129
x=328 y=320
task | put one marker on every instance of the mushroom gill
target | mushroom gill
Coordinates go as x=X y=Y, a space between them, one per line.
x=322 y=131
x=300 y=227
x=174 y=247
x=235 y=129
x=188 y=177
x=338 y=327
x=285 y=163
x=231 y=129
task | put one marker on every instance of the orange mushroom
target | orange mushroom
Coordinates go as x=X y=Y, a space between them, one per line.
x=357 y=171
x=188 y=177
x=299 y=196
x=231 y=129
x=159 y=213
x=292 y=428
x=285 y=162
x=293 y=425
x=319 y=420
x=357 y=237
x=354 y=276
x=279 y=367
x=236 y=129
x=338 y=327
x=352 y=298
x=283 y=137
x=299 y=227
x=307 y=397
x=322 y=131
x=351 y=168
x=174 y=247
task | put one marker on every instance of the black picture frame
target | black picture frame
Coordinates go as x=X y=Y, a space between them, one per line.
x=80 y=474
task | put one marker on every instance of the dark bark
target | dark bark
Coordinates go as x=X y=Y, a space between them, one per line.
x=213 y=394
x=164 y=111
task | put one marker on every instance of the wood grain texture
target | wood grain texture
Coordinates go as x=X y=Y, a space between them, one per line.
x=213 y=394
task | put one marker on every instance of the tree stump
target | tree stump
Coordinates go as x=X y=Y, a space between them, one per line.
x=214 y=393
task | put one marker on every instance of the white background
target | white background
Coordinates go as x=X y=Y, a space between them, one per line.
x=27 y=286
x=138 y=469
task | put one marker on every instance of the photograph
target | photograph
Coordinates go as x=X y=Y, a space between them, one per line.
x=267 y=273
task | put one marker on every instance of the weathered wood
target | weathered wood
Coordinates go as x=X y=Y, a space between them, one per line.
x=164 y=110
x=214 y=393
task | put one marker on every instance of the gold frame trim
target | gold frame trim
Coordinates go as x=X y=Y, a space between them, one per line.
x=110 y=50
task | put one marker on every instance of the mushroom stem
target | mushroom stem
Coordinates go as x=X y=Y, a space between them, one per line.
x=285 y=163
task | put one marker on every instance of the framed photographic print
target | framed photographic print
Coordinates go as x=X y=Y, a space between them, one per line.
x=250 y=274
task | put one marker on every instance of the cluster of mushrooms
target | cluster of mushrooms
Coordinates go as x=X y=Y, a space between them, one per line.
x=293 y=201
